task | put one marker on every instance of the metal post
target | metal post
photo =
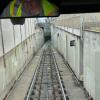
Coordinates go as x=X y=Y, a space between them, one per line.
x=81 y=47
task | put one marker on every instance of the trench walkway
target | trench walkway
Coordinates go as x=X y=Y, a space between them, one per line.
x=73 y=91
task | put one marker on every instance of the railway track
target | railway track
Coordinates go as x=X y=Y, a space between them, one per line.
x=47 y=83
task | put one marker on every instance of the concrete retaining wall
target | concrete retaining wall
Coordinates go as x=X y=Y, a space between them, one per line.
x=18 y=44
x=89 y=72
x=61 y=40
x=91 y=63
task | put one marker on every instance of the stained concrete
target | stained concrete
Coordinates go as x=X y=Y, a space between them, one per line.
x=74 y=91
x=22 y=85
x=20 y=89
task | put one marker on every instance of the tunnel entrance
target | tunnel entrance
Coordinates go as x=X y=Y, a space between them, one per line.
x=47 y=38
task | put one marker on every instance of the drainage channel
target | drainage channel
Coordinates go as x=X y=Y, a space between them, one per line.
x=47 y=83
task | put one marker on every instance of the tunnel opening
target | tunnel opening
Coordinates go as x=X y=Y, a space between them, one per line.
x=47 y=38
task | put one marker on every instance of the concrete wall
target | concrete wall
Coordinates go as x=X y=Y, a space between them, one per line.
x=20 y=43
x=61 y=40
x=92 y=63
x=90 y=71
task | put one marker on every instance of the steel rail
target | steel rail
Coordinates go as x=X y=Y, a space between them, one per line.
x=34 y=77
x=56 y=65
x=46 y=80
x=42 y=74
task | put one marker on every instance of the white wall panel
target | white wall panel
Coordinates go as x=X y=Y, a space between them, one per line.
x=7 y=29
x=91 y=54
x=70 y=53
x=73 y=54
x=33 y=25
x=23 y=32
x=28 y=21
x=70 y=30
x=76 y=32
x=27 y=27
x=17 y=33
x=2 y=76
x=15 y=60
x=97 y=75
